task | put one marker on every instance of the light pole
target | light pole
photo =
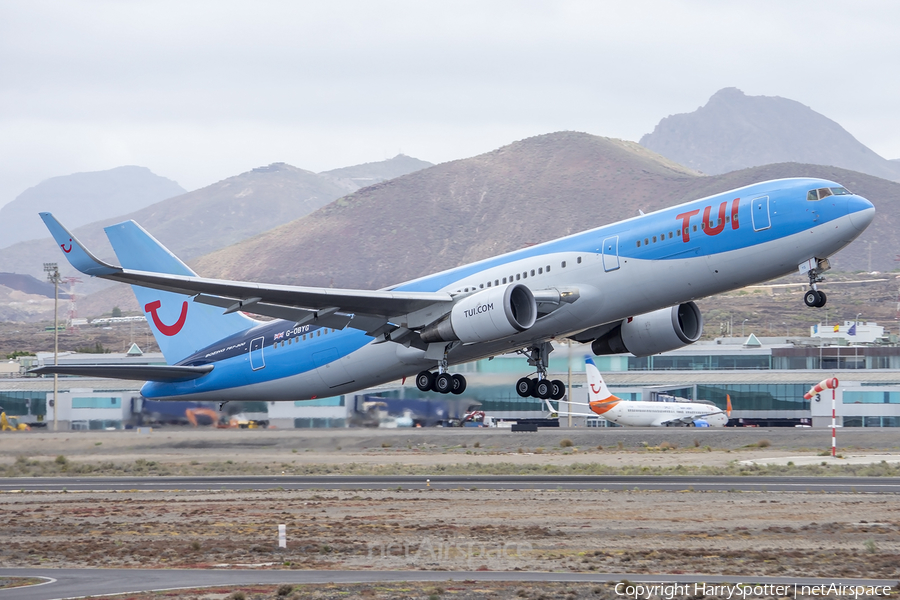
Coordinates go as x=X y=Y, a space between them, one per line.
x=742 y=327
x=786 y=330
x=52 y=271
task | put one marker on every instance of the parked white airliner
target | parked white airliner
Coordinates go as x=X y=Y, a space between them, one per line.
x=638 y=413
x=625 y=287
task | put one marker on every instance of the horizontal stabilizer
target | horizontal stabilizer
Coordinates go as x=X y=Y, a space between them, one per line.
x=165 y=373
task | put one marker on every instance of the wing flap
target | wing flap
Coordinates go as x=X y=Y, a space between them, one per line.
x=164 y=373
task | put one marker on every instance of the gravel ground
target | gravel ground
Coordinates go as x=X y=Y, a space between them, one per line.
x=727 y=533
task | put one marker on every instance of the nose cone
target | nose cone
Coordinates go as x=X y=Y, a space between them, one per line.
x=861 y=212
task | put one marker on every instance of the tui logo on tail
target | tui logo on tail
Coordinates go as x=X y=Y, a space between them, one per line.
x=168 y=330
x=64 y=249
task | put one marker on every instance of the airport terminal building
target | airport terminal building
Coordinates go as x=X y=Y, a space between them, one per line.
x=766 y=379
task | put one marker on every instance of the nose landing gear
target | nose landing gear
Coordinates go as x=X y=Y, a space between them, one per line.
x=815 y=298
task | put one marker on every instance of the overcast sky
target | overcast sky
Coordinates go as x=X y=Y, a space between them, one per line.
x=200 y=91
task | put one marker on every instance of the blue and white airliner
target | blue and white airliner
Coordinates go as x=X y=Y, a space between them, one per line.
x=624 y=287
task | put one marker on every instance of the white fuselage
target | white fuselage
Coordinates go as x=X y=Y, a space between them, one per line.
x=637 y=413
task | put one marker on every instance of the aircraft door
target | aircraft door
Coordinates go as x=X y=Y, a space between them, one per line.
x=760 y=214
x=330 y=368
x=257 y=360
x=610 y=253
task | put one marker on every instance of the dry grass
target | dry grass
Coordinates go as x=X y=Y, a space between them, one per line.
x=27 y=467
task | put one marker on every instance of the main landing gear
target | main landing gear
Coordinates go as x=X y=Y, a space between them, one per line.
x=442 y=381
x=540 y=387
x=815 y=298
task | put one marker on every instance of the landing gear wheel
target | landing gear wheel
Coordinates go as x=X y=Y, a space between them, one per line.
x=812 y=298
x=525 y=387
x=459 y=384
x=558 y=389
x=543 y=389
x=822 y=300
x=443 y=383
x=425 y=381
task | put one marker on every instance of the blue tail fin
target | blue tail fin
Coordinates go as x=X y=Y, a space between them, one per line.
x=180 y=325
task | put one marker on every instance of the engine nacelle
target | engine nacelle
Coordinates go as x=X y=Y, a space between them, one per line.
x=660 y=331
x=488 y=315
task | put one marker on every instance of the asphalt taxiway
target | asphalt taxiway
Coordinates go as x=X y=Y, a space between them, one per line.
x=889 y=485
x=76 y=583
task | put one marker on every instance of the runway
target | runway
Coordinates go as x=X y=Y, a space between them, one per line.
x=843 y=485
x=74 y=583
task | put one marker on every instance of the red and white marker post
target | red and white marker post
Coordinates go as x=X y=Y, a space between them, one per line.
x=827 y=384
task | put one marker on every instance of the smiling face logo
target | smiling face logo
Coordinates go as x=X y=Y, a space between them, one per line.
x=168 y=330
x=595 y=388
x=64 y=249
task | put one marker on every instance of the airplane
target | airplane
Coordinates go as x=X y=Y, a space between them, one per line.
x=624 y=287
x=637 y=413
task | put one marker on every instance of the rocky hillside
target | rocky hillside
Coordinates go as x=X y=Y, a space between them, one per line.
x=82 y=198
x=525 y=193
x=213 y=217
x=735 y=131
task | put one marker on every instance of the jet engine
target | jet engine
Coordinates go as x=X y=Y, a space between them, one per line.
x=488 y=315
x=659 y=331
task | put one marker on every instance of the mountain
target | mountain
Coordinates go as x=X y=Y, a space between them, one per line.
x=359 y=176
x=735 y=131
x=204 y=220
x=81 y=198
x=221 y=214
x=522 y=194
x=456 y=212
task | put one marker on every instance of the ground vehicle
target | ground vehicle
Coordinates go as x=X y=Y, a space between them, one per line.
x=11 y=423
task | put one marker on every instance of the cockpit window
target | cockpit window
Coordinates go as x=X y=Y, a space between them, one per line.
x=820 y=193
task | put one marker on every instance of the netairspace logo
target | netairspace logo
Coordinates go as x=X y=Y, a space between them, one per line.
x=742 y=591
x=493 y=555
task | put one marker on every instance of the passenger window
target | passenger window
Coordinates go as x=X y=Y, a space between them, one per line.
x=579 y=258
x=518 y=276
x=639 y=243
x=525 y=275
x=695 y=228
x=497 y=282
x=319 y=333
x=654 y=239
x=548 y=268
x=532 y=272
x=481 y=286
x=646 y=241
x=563 y=264
x=540 y=271
x=670 y=235
x=489 y=284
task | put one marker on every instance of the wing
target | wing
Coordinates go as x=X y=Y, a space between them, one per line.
x=163 y=373
x=389 y=314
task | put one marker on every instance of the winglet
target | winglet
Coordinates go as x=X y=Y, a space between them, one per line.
x=77 y=255
x=728 y=405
